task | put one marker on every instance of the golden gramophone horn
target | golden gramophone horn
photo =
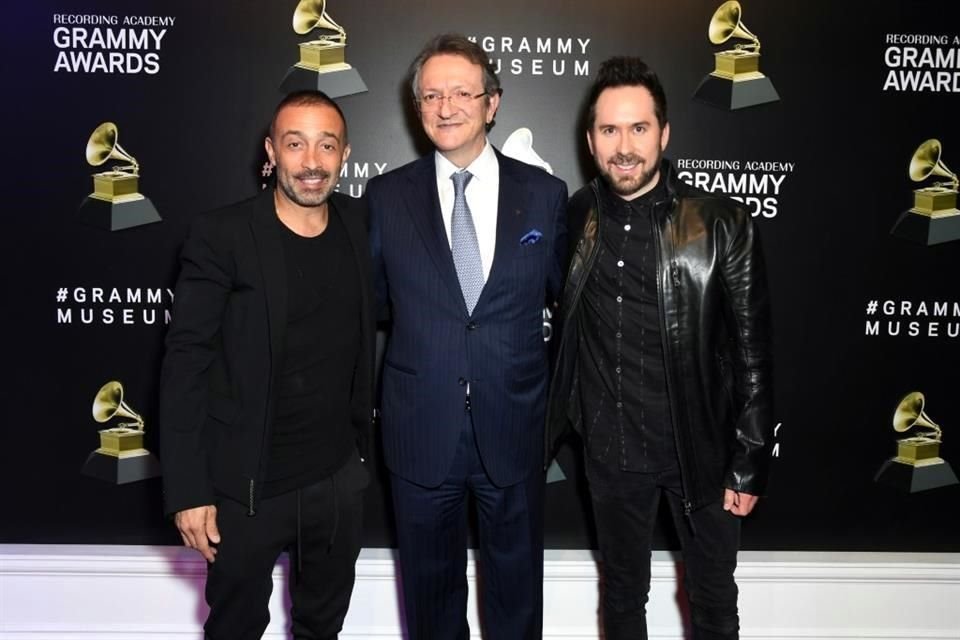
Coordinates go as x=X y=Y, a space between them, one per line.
x=311 y=14
x=725 y=24
x=103 y=145
x=910 y=413
x=926 y=162
x=109 y=403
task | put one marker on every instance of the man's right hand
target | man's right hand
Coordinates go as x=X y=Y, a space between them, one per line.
x=198 y=528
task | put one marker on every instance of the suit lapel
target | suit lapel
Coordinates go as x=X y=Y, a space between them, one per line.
x=424 y=209
x=266 y=235
x=345 y=208
x=352 y=214
x=511 y=221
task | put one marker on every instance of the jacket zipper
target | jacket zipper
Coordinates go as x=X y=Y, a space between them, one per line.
x=568 y=315
x=587 y=264
x=269 y=411
x=675 y=277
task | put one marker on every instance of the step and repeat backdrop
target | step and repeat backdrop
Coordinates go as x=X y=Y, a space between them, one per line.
x=837 y=127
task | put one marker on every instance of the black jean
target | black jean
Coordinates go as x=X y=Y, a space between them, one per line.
x=625 y=507
x=320 y=525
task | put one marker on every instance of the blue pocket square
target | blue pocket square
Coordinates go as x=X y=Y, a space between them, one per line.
x=531 y=237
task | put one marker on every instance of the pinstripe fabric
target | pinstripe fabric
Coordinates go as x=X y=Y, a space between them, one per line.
x=433 y=540
x=439 y=451
x=436 y=346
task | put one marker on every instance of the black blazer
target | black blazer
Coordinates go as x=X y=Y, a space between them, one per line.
x=223 y=348
x=435 y=347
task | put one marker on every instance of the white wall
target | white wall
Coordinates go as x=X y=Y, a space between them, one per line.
x=133 y=592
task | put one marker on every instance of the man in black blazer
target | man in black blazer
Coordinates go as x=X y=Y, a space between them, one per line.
x=266 y=388
x=468 y=247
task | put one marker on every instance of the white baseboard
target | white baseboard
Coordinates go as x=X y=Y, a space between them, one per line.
x=54 y=592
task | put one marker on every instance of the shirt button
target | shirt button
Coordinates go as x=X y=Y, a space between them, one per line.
x=618 y=369
x=626 y=227
x=619 y=263
x=619 y=298
x=619 y=335
x=619 y=405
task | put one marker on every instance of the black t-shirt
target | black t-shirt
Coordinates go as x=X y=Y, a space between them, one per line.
x=623 y=393
x=312 y=430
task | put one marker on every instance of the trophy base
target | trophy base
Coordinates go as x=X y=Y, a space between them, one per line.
x=121 y=470
x=927 y=229
x=911 y=479
x=336 y=84
x=114 y=216
x=734 y=94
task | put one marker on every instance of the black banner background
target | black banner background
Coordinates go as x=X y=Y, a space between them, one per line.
x=197 y=127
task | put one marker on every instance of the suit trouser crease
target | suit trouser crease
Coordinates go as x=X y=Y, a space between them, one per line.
x=432 y=533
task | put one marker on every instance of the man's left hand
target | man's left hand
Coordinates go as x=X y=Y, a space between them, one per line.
x=738 y=503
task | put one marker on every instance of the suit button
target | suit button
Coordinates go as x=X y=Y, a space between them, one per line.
x=472 y=326
x=462 y=381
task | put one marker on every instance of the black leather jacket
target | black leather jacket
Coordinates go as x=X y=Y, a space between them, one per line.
x=715 y=316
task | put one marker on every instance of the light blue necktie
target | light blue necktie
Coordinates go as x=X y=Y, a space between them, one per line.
x=464 y=244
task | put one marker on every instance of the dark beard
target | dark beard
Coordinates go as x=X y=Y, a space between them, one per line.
x=626 y=187
x=286 y=183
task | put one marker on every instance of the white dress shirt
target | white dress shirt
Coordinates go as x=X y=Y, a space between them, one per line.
x=482 y=195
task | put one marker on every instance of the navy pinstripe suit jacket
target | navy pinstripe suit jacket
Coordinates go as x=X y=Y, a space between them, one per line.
x=435 y=347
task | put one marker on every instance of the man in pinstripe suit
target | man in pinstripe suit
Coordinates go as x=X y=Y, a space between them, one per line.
x=468 y=246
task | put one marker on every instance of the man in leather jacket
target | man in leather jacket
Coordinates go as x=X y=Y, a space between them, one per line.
x=663 y=366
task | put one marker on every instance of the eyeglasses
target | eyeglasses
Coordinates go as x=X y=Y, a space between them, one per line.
x=458 y=100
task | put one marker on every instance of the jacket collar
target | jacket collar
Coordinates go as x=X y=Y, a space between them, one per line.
x=424 y=209
x=512 y=221
x=268 y=239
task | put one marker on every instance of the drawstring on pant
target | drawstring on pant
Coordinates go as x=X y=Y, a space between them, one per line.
x=333 y=530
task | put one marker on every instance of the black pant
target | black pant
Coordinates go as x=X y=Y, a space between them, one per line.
x=321 y=526
x=432 y=535
x=625 y=508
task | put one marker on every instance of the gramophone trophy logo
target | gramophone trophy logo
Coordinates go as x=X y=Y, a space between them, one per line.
x=322 y=65
x=917 y=465
x=736 y=81
x=934 y=217
x=116 y=202
x=121 y=457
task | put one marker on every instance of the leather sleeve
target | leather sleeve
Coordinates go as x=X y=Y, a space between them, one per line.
x=744 y=278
